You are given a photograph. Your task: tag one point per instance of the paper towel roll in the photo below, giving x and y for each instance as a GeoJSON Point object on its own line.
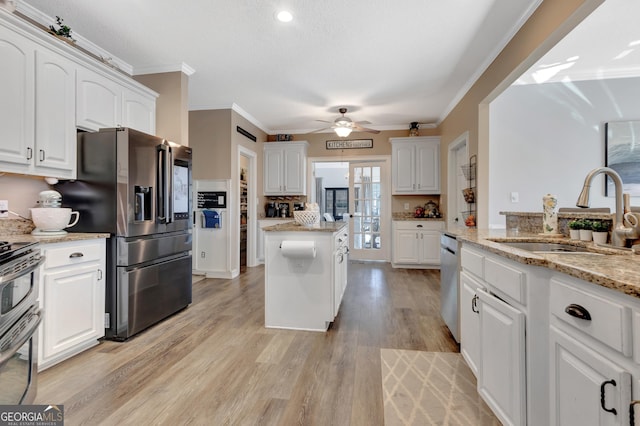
{"type": "Point", "coordinates": [298, 249]}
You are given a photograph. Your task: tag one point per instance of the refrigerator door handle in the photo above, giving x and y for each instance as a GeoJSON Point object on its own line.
{"type": "Point", "coordinates": [163, 184]}
{"type": "Point", "coordinates": [169, 181]}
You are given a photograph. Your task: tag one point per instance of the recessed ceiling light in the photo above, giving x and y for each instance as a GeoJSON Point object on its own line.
{"type": "Point", "coordinates": [284, 16]}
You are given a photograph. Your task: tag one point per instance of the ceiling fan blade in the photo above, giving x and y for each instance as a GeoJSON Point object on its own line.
{"type": "Point", "coordinates": [320, 130]}
{"type": "Point", "coordinates": [363, 122]}
{"type": "Point", "coordinates": [325, 121]}
{"type": "Point", "coordinates": [364, 129]}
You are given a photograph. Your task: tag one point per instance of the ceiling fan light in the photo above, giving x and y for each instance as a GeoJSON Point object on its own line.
{"type": "Point", "coordinates": [343, 132]}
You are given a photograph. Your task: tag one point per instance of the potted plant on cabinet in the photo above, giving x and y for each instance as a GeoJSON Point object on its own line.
{"type": "Point", "coordinates": [574, 229]}
{"type": "Point", "coordinates": [586, 234]}
{"type": "Point", "coordinates": [600, 231]}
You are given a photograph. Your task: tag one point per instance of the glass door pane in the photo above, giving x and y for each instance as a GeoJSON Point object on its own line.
{"type": "Point", "coordinates": [366, 187]}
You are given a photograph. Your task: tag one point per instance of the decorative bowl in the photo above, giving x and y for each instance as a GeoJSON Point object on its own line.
{"type": "Point", "coordinates": [306, 217]}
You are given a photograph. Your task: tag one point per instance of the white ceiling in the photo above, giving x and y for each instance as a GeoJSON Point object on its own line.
{"type": "Point", "coordinates": [389, 62]}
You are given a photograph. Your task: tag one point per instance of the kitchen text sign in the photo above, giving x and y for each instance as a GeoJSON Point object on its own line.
{"type": "Point", "coordinates": [350, 144]}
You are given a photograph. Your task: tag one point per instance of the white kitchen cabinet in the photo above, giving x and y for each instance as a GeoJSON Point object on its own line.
{"type": "Point", "coordinates": [263, 223]}
{"type": "Point", "coordinates": [99, 101]}
{"type": "Point", "coordinates": [580, 377]}
{"type": "Point", "coordinates": [415, 165]}
{"type": "Point", "coordinates": [469, 321]}
{"type": "Point", "coordinates": [416, 243]}
{"type": "Point", "coordinates": [284, 168]}
{"type": "Point", "coordinates": [501, 372]}
{"type": "Point", "coordinates": [37, 116]}
{"type": "Point", "coordinates": [72, 296]}
{"type": "Point", "coordinates": [138, 111]}
{"type": "Point", "coordinates": [504, 308]}
{"type": "Point", "coordinates": [592, 369]}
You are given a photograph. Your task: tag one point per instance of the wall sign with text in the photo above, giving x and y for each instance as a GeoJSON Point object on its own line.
{"type": "Point", "coordinates": [350, 144]}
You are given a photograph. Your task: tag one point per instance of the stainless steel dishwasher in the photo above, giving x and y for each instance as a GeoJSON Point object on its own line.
{"type": "Point", "coordinates": [449, 267]}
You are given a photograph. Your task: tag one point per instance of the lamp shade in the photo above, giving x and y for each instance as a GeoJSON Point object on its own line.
{"type": "Point", "coordinates": [343, 131]}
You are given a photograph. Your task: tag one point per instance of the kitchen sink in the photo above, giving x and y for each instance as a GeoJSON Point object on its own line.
{"type": "Point", "coordinates": [540, 247]}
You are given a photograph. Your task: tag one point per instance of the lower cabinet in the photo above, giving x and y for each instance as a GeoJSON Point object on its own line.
{"type": "Point", "coordinates": [416, 244]}
{"type": "Point", "coordinates": [72, 296]}
{"type": "Point", "coordinates": [587, 388]}
{"type": "Point", "coordinates": [469, 321]}
{"type": "Point", "coordinates": [502, 371]}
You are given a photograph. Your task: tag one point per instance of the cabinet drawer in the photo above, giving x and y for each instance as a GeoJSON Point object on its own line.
{"type": "Point", "coordinates": [72, 254]}
{"type": "Point", "coordinates": [506, 279]}
{"type": "Point", "coordinates": [472, 262]}
{"type": "Point", "coordinates": [419, 225]}
{"type": "Point", "coordinates": [610, 321]}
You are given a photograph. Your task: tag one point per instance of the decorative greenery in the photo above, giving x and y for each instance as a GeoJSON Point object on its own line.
{"type": "Point", "coordinates": [63, 31]}
{"type": "Point", "coordinates": [575, 224]}
{"type": "Point", "coordinates": [599, 226]}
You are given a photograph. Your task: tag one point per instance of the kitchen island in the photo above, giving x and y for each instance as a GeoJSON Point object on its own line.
{"type": "Point", "coordinates": [305, 274]}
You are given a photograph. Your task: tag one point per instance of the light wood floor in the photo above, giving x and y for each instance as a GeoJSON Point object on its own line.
{"type": "Point", "coordinates": [215, 364]}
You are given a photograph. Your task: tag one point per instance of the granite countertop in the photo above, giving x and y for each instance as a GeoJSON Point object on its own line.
{"type": "Point", "coordinates": [296, 227]}
{"type": "Point", "coordinates": [71, 236]}
{"type": "Point", "coordinates": [618, 269]}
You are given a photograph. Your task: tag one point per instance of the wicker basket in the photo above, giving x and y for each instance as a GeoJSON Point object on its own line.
{"type": "Point", "coordinates": [469, 171]}
{"type": "Point", "coordinates": [306, 217]}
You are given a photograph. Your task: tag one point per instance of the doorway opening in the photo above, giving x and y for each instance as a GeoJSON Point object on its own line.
{"type": "Point", "coordinates": [247, 183]}
{"type": "Point", "coordinates": [356, 190]}
{"type": "Point", "coordinates": [457, 182]}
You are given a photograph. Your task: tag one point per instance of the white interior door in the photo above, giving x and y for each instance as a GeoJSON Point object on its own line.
{"type": "Point", "coordinates": [369, 219]}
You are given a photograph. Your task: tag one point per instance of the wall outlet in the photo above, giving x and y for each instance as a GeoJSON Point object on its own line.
{"type": "Point", "coordinates": [406, 206]}
{"type": "Point", "coordinates": [515, 197]}
{"type": "Point", "coordinates": [4, 208]}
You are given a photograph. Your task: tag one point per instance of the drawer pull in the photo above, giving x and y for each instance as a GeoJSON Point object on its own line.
{"type": "Point", "coordinates": [578, 312]}
{"type": "Point", "coordinates": [419, 226]}
{"type": "Point", "coordinates": [602, 386]}
{"type": "Point", "coordinates": [75, 254]}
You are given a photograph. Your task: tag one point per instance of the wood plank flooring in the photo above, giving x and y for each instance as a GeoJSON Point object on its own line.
{"type": "Point", "coordinates": [215, 364]}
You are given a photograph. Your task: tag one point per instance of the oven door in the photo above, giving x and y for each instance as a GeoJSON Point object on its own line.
{"type": "Point", "coordinates": [18, 360]}
{"type": "Point", "coordinates": [18, 292]}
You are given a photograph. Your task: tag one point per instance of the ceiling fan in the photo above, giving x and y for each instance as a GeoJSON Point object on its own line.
{"type": "Point", "coordinates": [343, 126]}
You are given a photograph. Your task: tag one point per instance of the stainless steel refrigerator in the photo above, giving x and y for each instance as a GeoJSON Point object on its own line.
{"type": "Point", "coordinates": [137, 187]}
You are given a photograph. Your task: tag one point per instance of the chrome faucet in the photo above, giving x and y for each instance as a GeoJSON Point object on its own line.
{"type": "Point", "coordinates": [620, 233]}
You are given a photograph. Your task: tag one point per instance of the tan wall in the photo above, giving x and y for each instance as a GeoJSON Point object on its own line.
{"type": "Point", "coordinates": [549, 24]}
{"type": "Point", "coordinates": [210, 138]}
{"type": "Point", "coordinates": [21, 192]}
{"type": "Point", "coordinates": [381, 145]}
{"type": "Point", "coordinates": [172, 109]}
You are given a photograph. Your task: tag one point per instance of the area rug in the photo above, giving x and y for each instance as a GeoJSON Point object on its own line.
{"type": "Point", "coordinates": [430, 388]}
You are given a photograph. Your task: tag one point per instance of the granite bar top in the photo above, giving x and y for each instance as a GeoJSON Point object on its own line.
{"type": "Point", "coordinates": [410, 216]}
{"type": "Point", "coordinates": [618, 269]}
{"type": "Point", "coordinates": [567, 215]}
{"type": "Point", "coordinates": [296, 227]}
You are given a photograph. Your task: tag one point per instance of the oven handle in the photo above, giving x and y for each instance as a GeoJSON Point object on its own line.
{"type": "Point", "coordinates": [21, 340]}
{"type": "Point", "coordinates": [13, 276]}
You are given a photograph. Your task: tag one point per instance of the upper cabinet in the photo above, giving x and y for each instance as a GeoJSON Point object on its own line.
{"type": "Point", "coordinates": [285, 168]}
{"type": "Point", "coordinates": [49, 89]}
{"type": "Point", "coordinates": [103, 102]}
{"type": "Point", "coordinates": [37, 115]}
{"type": "Point", "coordinates": [415, 165]}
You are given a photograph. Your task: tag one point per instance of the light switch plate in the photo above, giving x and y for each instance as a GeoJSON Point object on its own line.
{"type": "Point", "coordinates": [515, 197]}
{"type": "Point", "coordinates": [4, 208]}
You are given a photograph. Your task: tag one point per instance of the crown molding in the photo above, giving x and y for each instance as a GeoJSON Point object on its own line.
{"type": "Point", "coordinates": [181, 67]}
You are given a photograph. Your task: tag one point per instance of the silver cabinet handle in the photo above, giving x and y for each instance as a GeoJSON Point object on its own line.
{"type": "Point", "coordinates": [99, 274]}
{"type": "Point", "coordinates": [29, 153]}
{"type": "Point", "coordinates": [76, 255]}
{"type": "Point", "coordinates": [42, 155]}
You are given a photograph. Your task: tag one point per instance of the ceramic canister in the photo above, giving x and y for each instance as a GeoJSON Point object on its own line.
{"type": "Point", "coordinates": [550, 214]}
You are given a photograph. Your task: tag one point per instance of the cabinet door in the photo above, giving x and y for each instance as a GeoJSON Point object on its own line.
{"type": "Point", "coordinates": [406, 246]}
{"type": "Point", "coordinates": [55, 115]}
{"type": "Point", "coordinates": [273, 171]}
{"type": "Point", "coordinates": [501, 373]}
{"type": "Point", "coordinates": [294, 170]}
{"type": "Point", "coordinates": [17, 112]}
{"type": "Point", "coordinates": [579, 378]}
{"type": "Point", "coordinates": [98, 98]}
{"type": "Point", "coordinates": [469, 321]}
{"type": "Point", "coordinates": [430, 247]}
{"type": "Point", "coordinates": [403, 180]}
{"type": "Point", "coordinates": [138, 112]}
{"type": "Point", "coordinates": [74, 308]}
{"type": "Point", "coordinates": [427, 167]}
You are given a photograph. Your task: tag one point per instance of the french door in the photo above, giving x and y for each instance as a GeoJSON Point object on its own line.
{"type": "Point", "coordinates": [368, 222]}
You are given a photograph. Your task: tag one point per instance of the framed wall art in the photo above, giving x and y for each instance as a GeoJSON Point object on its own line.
{"type": "Point", "coordinates": [622, 154]}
